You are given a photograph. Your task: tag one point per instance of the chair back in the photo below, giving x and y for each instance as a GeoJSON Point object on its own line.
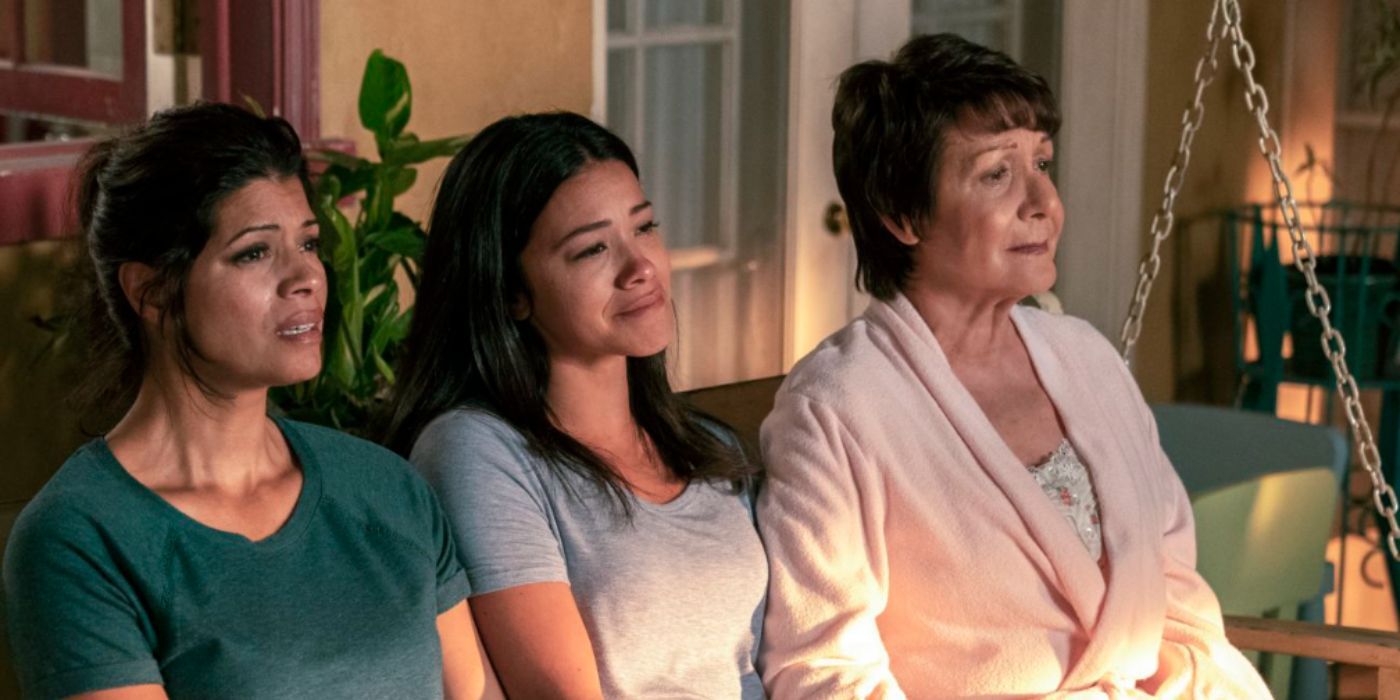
{"type": "Point", "coordinates": [1264, 492]}
{"type": "Point", "coordinates": [742, 405]}
{"type": "Point", "coordinates": [1213, 447]}
{"type": "Point", "coordinates": [1261, 543]}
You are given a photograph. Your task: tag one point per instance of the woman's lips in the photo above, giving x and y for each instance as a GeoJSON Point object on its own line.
{"type": "Point", "coordinates": [652, 300]}
{"type": "Point", "coordinates": [1030, 248]}
{"type": "Point", "coordinates": [303, 327]}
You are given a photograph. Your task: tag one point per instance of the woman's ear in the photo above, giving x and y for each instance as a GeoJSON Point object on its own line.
{"type": "Point", "coordinates": [902, 229]}
{"type": "Point", "coordinates": [520, 308]}
{"type": "Point", "coordinates": [135, 279]}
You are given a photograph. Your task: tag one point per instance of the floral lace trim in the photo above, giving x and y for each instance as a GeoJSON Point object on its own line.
{"type": "Point", "coordinates": [1065, 480]}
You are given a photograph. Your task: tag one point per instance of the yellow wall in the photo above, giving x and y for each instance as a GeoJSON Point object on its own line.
{"type": "Point", "coordinates": [1186, 350]}
{"type": "Point", "coordinates": [470, 63]}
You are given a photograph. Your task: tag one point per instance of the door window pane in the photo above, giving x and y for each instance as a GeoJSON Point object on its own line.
{"type": "Point", "coordinates": [684, 13]}
{"type": "Point", "coordinates": [622, 98]}
{"type": "Point", "coordinates": [681, 140]}
{"type": "Point", "coordinates": [82, 34]}
{"type": "Point", "coordinates": [619, 16]}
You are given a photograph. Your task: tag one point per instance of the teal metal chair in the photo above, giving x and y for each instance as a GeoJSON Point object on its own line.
{"type": "Point", "coordinates": [1260, 545]}
{"type": "Point", "coordinates": [1264, 492]}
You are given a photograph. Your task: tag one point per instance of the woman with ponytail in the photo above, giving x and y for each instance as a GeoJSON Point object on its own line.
{"type": "Point", "coordinates": [606, 529]}
{"type": "Point", "coordinates": [200, 547]}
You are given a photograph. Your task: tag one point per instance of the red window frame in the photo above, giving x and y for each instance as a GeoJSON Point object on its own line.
{"type": "Point", "coordinates": [76, 92]}
{"type": "Point", "coordinates": [266, 49]}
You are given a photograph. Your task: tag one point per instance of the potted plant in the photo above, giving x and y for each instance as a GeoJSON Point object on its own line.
{"type": "Point", "coordinates": [370, 251]}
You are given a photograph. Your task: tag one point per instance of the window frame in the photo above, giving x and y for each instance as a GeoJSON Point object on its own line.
{"type": "Point", "coordinates": [76, 92]}
{"type": "Point", "coordinates": [269, 50]}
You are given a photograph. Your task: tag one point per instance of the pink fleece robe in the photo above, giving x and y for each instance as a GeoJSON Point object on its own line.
{"type": "Point", "coordinates": [912, 554]}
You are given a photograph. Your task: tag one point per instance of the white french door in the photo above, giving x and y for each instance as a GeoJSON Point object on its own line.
{"type": "Point", "coordinates": [728, 105]}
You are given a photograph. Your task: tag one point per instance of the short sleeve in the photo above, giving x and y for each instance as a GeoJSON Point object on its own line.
{"type": "Point", "coordinates": [74, 623]}
{"type": "Point", "coordinates": [452, 586]}
{"type": "Point", "coordinates": [490, 487]}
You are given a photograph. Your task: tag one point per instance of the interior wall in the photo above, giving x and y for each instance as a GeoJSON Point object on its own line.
{"type": "Point", "coordinates": [1186, 351]}
{"type": "Point", "coordinates": [470, 63]}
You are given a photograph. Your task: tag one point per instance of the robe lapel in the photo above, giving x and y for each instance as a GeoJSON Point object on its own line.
{"type": "Point", "coordinates": [1075, 574]}
{"type": "Point", "coordinates": [1102, 438]}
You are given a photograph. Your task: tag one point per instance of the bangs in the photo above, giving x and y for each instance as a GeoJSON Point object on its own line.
{"type": "Point", "coordinates": [1012, 108]}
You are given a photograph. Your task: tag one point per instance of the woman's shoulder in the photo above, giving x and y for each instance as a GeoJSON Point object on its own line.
{"type": "Point", "coordinates": [470, 440]}
{"type": "Point", "coordinates": [1069, 335]}
{"type": "Point", "coordinates": [469, 428]}
{"type": "Point", "coordinates": [83, 511]}
{"type": "Point", "coordinates": [355, 468]}
{"type": "Point", "coordinates": [86, 486]}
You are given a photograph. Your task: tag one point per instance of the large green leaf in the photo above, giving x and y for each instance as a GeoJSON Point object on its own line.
{"type": "Point", "coordinates": [350, 181]}
{"type": "Point", "coordinates": [404, 151]}
{"type": "Point", "coordinates": [386, 98]}
{"type": "Point", "coordinates": [407, 241]}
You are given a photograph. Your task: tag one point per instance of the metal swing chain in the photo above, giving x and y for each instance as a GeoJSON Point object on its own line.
{"type": "Point", "coordinates": [1318, 302]}
{"type": "Point", "coordinates": [1164, 218]}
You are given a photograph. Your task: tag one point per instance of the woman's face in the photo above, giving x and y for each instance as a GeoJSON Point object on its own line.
{"type": "Point", "coordinates": [257, 292]}
{"type": "Point", "coordinates": [597, 273]}
{"type": "Point", "coordinates": [997, 217]}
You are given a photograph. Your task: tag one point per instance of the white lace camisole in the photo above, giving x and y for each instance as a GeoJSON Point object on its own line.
{"type": "Point", "coordinates": [1065, 480]}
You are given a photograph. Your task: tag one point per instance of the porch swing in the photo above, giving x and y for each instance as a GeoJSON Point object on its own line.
{"type": "Point", "coordinates": [1366, 648]}
{"type": "Point", "coordinates": [745, 404]}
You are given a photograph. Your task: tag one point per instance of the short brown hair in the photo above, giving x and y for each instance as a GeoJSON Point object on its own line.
{"type": "Point", "coordinates": [891, 119]}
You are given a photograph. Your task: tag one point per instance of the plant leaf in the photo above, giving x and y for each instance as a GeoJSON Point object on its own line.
{"type": "Point", "coordinates": [401, 152]}
{"type": "Point", "coordinates": [407, 241]}
{"type": "Point", "coordinates": [386, 98]}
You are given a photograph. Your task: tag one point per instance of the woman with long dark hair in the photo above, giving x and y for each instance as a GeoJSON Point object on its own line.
{"type": "Point", "coordinates": [606, 530]}
{"type": "Point", "coordinates": [201, 548]}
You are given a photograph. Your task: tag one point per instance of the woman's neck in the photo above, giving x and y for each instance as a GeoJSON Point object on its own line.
{"type": "Point", "coordinates": [175, 437]}
{"type": "Point", "coordinates": [967, 327]}
{"type": "Point", "coordinates": [591, 400]}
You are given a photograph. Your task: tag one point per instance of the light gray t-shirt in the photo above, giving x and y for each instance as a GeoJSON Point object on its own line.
{"type": "Point", "coordinates": [673, 601]}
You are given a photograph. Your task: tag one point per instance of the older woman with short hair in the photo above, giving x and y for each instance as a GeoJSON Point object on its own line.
{"type": "Point", "coordinates": [967, 497]}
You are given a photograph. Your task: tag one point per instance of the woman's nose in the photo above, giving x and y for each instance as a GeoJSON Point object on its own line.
{"type": "Point", "coordinates": [636, 268]}
{"type": "Point", "coordinates": [1041, 196]}
{"type": "Point", "coordinates": [303, 274]}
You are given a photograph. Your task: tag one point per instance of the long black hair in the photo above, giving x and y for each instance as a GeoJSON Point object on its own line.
{"type": "Point", "coordinates": [465, 346]}
{"type": "Point", "coordinates": [150, 196]}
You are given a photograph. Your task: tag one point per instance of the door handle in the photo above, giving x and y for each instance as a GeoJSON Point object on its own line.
{"type": "Point", "coordinates": [834, 219]}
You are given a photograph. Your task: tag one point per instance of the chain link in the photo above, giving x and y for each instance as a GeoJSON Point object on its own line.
{"type": "Point", "coordinates": [1164, 218]}
{"type": "Point", "coordinates": [1225, 16]}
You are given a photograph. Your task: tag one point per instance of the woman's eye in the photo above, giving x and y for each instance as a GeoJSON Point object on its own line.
{"type": "Point", "coordinates": [1044, 165]}
{"type": "Point", "coordinates": [996, 175]}
{"type": "Point", "coordinates": [253, 254]}
{"type": "Point", "coordinates": [312, 245]}
{"type": "Point", "coordinates": [590, 251]}
{"type": "Point", "coordinates": [648, 227]}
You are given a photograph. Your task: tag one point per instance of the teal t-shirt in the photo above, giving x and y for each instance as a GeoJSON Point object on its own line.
{"type": "Point", "coordinates": [108, 585]}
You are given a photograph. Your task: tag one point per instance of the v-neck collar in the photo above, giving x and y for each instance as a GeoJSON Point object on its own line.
{"type": "Point", "coordinates": [302, 512]}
